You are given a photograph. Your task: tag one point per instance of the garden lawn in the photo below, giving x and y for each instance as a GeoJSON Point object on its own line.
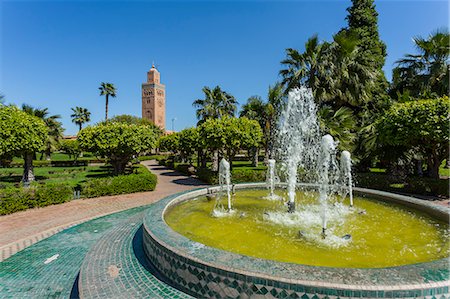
{"type": "Point", "coordinates": [70, 175]}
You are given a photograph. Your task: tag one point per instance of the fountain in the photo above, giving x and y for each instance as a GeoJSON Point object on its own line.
{"type": "Point", "coordinates": [346, 170]}
{"type": "Point", "coordinates": [225, 190]}
{"type": "Point", "coordinates": [271, 180]}
{"type": "Point", "coordinates": [322, 246]}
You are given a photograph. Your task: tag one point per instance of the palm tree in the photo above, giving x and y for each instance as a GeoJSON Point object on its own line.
{"type": "Point", "coordinates": [216, 104]}
{"type": "Point", "coordinates": [256, 109]}
{"type": "Point", "coordinates": [55, 131]}
{"type": "Point", "coordinates": [107, 90]}
{"type": "Point", "coordinates": [426, 73]}
{"type": "Point", "coordinates": [302, 68]}
{"type": "Point", "coordinates": [80, 116]}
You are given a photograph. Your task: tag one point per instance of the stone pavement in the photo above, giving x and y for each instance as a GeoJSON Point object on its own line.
{"type": "Point", "coordinates": [22, 229]}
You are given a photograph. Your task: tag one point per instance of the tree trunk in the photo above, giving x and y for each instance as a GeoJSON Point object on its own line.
{"type": "Point", "coordinates": [28, 175]}
{"type": "Point", "coordinates": [419, 167]}
{"type": "Point", "coordinates": [119, 166]}
{"type": "Point", "coordinates": [433, 166]}
{"type": "Point", "coordinates": [106, 108]}
{"type": "Point", "coordinates": [255, 157]}
{"type": "Point", "coordinates": [215, 160]}
{"type": "Point", "coordinates": [203, 159]}
{"type": "Point", "coordinates": [80, 124]}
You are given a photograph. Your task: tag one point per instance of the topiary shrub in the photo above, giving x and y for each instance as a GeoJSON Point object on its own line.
{"type": "Point", "coordinates": [248, 175]}
{"type": "Point", "coordinates": [141, 181]}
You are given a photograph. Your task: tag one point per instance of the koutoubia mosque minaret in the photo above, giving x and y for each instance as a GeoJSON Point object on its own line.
{"type": "Point", "coordinates": [154, 99]}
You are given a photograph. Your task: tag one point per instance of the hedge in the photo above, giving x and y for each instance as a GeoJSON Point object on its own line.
{"type": "Point", "coordinates": [13, 199]}
{"type": "Point", "coordinates": [237, 175]}
{"type": "Point", "coordinates": [142, 181]}
{"type": "Point", "coordinates": [412, 185]}
{"type": "Point", "coordinates": [17, 199]}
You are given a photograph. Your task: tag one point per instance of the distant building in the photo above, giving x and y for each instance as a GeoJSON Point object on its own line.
{"type": "Point", "coordinates": [154, 99]}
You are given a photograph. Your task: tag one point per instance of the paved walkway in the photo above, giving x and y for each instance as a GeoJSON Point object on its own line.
{"type": "Point", "coordinates": [22, 229]}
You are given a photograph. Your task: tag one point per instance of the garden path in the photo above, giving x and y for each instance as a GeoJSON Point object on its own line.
{"type": "Point", "coordinates": [22, 229]}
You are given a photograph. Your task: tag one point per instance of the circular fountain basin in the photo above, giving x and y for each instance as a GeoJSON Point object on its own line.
{"type": "Point", "coordinates": [206, 271]}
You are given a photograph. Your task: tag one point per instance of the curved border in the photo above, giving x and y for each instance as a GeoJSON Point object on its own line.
{"type": "Point", "coordinates": [207, 272]}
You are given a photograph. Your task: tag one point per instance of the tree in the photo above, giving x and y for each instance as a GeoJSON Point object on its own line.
{"type": "Point", "coordinates": [216, 104]}
{"type": "Point", "coordinates": [118, 142]}
{"type": "Point", "coordinates": [170, 143]}
{"type": "Point", "coordinates": [80, 116]}
{"type": "Point", "coordinates": [422, 124]}
{"type": "Point", "coordinates": [134, 120]}
{"type": "Point", "coordinates": [302, 68]}
{"type": "Point", "coordinates": [257, 110]}
{"type": "Point", "coordinates": [107, 90]}
{"type": "Point", "coordinates": [340, 124]}
{"type": "Point", "coordinates": [21, 134]}
{"type": "Point", "coordinates": [189, 143]}
{"type": "Point", "coordinates": [425, 73]}
{"type": "Point", "coordinates": [55, 129]}
{"type": "Point", "coordinates": [229, 135]}
{"type": "Point", "coordinates": [71, 148]}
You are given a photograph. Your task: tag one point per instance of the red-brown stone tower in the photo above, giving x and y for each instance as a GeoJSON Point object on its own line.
{"type": "Point", "coordinates": [154, 99]}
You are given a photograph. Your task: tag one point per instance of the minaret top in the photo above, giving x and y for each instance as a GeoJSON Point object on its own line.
{"type": "Point", "coordinates": [153, 75]}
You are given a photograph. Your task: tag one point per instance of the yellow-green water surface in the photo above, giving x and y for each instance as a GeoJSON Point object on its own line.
{"type": "Point", "coordinates": [382, 235]}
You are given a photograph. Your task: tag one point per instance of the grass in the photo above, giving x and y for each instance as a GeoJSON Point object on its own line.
{"type": "Point", "coordinates": [69, 175]}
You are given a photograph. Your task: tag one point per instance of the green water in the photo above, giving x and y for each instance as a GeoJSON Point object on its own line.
{"type": "Point", "coordinates": [382, 235]}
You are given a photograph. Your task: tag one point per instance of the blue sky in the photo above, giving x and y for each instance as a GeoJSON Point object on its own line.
{"type": "Point", "coordinates": [55, 53]}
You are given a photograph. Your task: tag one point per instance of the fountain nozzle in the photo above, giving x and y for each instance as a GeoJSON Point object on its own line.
{"type": "Point", "coordinates": [324, 234]}
{"type": "Point", "coordinates": [291, 206]}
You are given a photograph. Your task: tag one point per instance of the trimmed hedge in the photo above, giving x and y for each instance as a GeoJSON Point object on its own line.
{"type": "Point", "coordinates": [142, 181]}
{"type": "Point", "coordinates": [17, 199]}
{"type": "Point", "coordinates": [237, 175]}
{"type": "Point", "coordinates": [13, 199]}
{"type": "Point", "coordinates": [413, 185]}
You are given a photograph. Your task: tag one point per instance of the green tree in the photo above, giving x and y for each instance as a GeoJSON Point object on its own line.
{"type": "Point", "coordinates": [425, 73]}
{"type": "Point", "coordinates": [189, 143]}
{"type": "Point", "coordinates": [422, 124]}
{"type": "Point", "coordinates": [134, 120]}
{"type": "Point", "coordinates": [216, 104]}
{"type": "Point", "coordinates": [107, 90]}
{"type": "Point", "coordinates": [55, 129]}
{"type": "Point", "coordinates": [302, 68]}
{"type": "Point", "coordinates": [340, 124]}
{"type": "Point", "coordinates": [80, 116]}
{"type": "Point", "coordinates": [257, 110]}
{"type": "Point", "coordinates": [21, 134]}
{"type": "Point", "coordinates": [118, 142]}
{"type": "Point", "coordinates": [229, 135]}
{"type": "Point", "coordinates": [71, 148]}
{"type": "Point", "coordinates": [170, 143]}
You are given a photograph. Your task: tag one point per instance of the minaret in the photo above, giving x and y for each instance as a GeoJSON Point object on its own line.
{"type": "Point", "coordinates": [154, 99]}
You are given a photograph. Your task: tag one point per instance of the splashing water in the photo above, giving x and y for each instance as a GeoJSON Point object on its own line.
{"type": "Point", "coordinates": [346, 170]}
{"type": "Point", "coordinates": [225, 189]}
{"type": "Point", "coordinates": [271, 180]}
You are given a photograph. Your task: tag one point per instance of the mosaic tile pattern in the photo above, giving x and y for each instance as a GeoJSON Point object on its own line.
{"type": "Point", "coordinates": [208, 272]}
{"type": "Point", "coordinates": [116, 267]}
{"type": "Point", "coordinates": [26, 275]}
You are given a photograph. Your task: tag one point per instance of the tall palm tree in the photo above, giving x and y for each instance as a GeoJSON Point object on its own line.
{"type": "Point", "coordinates": [107, 90]}
{"type": "Point", "coordinates": [216, 104]}
{"type": "Point", "coordinates": [256, 109]}
{"type": "Point", "coordinates": [55, 132]}
{"type": "Point", "coordinates": [427, 72]}
{"type": "Point", "coordinates": [302, 68]}
{"type": "Point", "coordinates": [80, 116]}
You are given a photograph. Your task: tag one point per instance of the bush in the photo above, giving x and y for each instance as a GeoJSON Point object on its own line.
{"type": "Point", "coordinates": [413, 185]}
{"type": "Point", "coordinates": [17, 199]}
{"type": "Point", "coordinates": [248, 175]}
{"type": "Point", "coordinates": [141, 181]}
{"type": "Point", "coordinates": [152, 157]}
{"type": "Point", "coordinates": [208, 176]}
{"type": "Point", "coordinates": [185, 168]}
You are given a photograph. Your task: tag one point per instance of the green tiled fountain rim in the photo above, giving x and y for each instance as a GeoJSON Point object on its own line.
{"type": "Point", "coordinates": [432, 275]}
